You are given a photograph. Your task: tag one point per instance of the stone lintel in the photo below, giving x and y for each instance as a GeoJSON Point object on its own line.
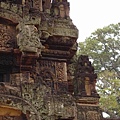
{"type": "Point", "coordinates": [88, 100]}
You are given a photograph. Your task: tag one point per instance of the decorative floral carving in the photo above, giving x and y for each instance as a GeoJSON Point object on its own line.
{"type": "Point", "coordinates": [53, 74]}
{"type": "Point", "coordinates": [61, 71]}
{"type": "Point", "coordinates": [6, 37]}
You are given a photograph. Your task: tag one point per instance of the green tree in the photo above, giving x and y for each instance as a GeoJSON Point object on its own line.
{"type": "Point", "coordinates": [108, 86]}
{"type": "Point", "coordinates": [103, 48]}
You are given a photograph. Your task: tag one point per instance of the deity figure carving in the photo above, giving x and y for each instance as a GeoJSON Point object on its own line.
{"type": "Point", "coordinates": [60, 8]}
{"type": "Point", "coordinates": [28, 40]}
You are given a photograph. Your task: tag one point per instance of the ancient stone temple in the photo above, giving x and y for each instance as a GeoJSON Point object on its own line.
{"type": "Point", "coordinates": [37, 42]}
{"type": "Point", "coordinates": [85, 91]}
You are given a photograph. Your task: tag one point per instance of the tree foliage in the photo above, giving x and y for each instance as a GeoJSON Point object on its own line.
{"type": "Point", "coordinates": [108, 86]}
{"type": "Point", "coordinates": [103, 48]}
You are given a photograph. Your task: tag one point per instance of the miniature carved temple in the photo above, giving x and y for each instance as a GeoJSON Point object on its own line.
{"type": "Point", "coordinates": [37, 43]}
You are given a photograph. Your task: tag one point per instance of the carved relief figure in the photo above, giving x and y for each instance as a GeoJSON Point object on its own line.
{"type": "Point", "coordinates": [61, 8]}
{"type": "Point", "coordinates": [28, 40]}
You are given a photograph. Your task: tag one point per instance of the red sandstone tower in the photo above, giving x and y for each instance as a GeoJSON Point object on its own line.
{"type": "Point", "coordinates": [37, 43]}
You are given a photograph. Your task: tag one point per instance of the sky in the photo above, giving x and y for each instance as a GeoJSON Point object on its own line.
{"type": "Point", "coordinates": [89, 15]}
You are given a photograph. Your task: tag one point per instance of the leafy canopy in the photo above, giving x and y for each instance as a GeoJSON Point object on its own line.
{"type": "Point", "coordinates": [103, 48]}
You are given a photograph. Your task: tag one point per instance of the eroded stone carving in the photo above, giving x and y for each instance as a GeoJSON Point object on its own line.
{"type": "Point", "coordinates": [28, 40]}
{"type": "Point", "coordinates": [85, 77]}
{"type": "Point", "coordinates": [38, 85]}
{"type": "Point", "coordinates": [6, 37]}
{"type": "Point", "coordinates": [89, 112]}
{"type": "Point", "coordinates": [53, 74]}
{"type": "Point", "coordinates": [60, 8]}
